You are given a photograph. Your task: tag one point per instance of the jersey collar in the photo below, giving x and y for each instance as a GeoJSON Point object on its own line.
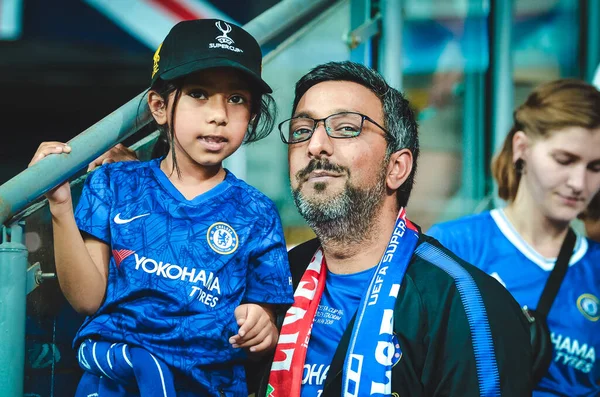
{"type": "Point", "coordinates": [547, 264]}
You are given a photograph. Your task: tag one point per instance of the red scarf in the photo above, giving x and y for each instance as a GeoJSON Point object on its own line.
{"type": "Point", "coordinates": [285, 379]}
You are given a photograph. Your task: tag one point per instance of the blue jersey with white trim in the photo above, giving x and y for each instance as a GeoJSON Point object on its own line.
{"type": "Point", "coordinates": [489, 241]}
{"type": "Point", "coordinates": [180, 267]}
{"type": "Point", "coordinates": [340, 300]}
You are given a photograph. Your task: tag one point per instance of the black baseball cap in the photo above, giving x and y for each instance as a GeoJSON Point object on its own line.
{"type": "Point", "coordinates": [201, 44]}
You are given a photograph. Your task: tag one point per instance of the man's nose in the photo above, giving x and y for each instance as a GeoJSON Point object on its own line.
{"type": "Point", "coordinates": [320, 144]}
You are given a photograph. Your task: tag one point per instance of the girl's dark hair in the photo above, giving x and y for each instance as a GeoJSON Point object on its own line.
{"type": "Point", "coordinates": [550, 107]}
{"type": "Point", "coordinates": [262, 108]}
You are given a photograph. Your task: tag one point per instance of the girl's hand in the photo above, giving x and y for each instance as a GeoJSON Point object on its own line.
{"type": "Point", "coordinates": [60, 195]}
{"type": "Point", "coordinates": [115, 154]}
{"type": "Point", "coordinates": [258, 332]}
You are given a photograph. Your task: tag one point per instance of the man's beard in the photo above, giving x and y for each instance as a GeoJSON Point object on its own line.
{"type": "Point", "coordinates": [347, 217]}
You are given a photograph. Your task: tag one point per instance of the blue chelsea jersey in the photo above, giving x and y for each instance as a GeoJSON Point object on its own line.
{"type": "Point", "coordinates": [180, 267]}
{"type": "Point", "coordinates": [489, 241]}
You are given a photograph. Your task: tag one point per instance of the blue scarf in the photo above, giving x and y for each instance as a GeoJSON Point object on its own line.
{"type": "Point", "coordinates": [373, 348]}
{"type": "Point", "coordinates": [120, 370]}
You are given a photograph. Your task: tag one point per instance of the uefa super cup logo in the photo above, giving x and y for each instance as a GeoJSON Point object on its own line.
{"type": "Point", "coordinates": [224, 39]}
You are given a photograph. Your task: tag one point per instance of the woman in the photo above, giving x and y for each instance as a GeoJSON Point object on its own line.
{"type": "Point", "coordinates": [549, 173]}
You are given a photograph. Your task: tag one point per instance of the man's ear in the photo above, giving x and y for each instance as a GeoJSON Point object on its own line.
{"type": "Point", "coordinates": [158, 107]}
{"type": "Point", "coordinates": [399, 168]}
{"type": "Point", "coordinates": [520, 146]}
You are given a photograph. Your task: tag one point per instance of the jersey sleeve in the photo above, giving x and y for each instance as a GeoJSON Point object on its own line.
{"type": "Point", "coordinates": [449, 238]}
{"type": "Point", "coordinates": [93, 210]}
{"type": "Point", "coordinates": [269, 279]}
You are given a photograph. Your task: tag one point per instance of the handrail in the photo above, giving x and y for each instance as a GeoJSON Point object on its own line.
{"type": "Point", "coordinates": [281, 16]}
{"type": "Point", "coordinates": [23, 189]}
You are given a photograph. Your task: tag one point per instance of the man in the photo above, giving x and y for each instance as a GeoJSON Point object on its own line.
{"type": "Point", "coordinates": [426, 323]}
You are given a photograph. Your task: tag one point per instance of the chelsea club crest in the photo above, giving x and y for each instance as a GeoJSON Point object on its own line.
{"type": "Point", "coordinates": [588, 305]}
{"type": "Point", "coordinates": [222, 238]}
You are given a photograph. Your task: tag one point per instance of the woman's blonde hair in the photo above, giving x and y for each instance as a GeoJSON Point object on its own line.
{"type": "Point", "coordinates": [550, 107]}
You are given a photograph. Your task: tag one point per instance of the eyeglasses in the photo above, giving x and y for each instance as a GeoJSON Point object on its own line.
{"type": "Point", "coordinates": [339, 125]}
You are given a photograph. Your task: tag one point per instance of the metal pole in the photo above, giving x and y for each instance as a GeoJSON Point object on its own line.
{"type": "Point", "coordinates": [360, 12]}
{"type": "Point", "coordinates": [501, 87]}
{"type": "Point", "coordinates": [21, 190]}
{"type": "Point", "coordinates": [390, 43]}
{"type": "Point", "coordinates": [27, 186]}
{"type": "Point", "coordinates": [13, 291]}
{"type": "Point", "coordinates": [281, 16]}
{"type": "Point", "coordinates": [592, 59]}
{"type": "Point", "coordinates": [474, 166]}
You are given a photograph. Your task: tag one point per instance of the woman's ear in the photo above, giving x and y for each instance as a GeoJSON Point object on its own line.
{"type": "Point", "coordinates": [399, 168]}
{"type": "Point", "coordinates": [520, 146]}
{"type": "Point", "coordinates": [158, 108]}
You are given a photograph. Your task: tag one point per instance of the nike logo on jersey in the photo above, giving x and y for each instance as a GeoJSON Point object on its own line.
{"type": "Point", "coordinates": [119, 221]}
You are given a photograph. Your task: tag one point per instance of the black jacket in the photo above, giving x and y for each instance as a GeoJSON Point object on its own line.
{"type": "Point", "coordinates": [432, 325]}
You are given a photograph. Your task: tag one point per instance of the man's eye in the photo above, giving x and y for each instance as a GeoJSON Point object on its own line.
{"type": "Point", "coordinates": [348, 130]}
{"type": "Point", "coordinates": [300, 133]}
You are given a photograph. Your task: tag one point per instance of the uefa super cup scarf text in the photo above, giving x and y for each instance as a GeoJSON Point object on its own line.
{"type": "Point", "coordinates": [368, 363]}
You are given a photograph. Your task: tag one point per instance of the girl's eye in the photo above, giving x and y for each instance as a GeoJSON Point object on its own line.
{"type": "Point", "coordinates": [237, 99]}
{"type": "Point", "coordinates": [198, 94]}
{"type": "Point", "coordinates": [594, 167]}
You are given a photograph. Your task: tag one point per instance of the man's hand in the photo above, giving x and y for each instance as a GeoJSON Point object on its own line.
{"type": "Point", "coordinates": [258, 332]}
{"type": "Point", "coordinates": [114, 155]}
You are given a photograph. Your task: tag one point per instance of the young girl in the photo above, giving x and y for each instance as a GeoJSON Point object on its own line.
{"type": "Point", "coordinates": [549, 172]}
{"type": "Point", "coordinates": [175, 261]}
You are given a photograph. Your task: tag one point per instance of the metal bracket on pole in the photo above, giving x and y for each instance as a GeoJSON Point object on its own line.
{"type": "Point", "coordinates": [35, 277]}
{"type": "Point", "coordinates": [32, 277]}
{"type": "Point", "coordinates": [364, 32]}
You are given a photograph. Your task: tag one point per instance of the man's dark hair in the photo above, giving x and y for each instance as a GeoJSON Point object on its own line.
{"type": "Point", "coordinates": [399, 118]}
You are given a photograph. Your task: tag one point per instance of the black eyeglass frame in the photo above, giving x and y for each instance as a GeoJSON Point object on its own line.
{"type": "Point", "coordinates": [324, 120]}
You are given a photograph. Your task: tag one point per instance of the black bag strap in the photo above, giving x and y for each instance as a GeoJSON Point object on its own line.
{"type": "Point", "coordinates": [337, 363]}
{"type": "Point", "coordinates": [556, 276]}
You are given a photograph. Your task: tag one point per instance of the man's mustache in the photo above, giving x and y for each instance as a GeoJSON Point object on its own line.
{"type": "Point", "coordinates": [321, 164]}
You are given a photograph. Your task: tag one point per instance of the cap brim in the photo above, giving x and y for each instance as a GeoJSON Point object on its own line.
{"type": "Point", "coordinates": [203, 64]}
